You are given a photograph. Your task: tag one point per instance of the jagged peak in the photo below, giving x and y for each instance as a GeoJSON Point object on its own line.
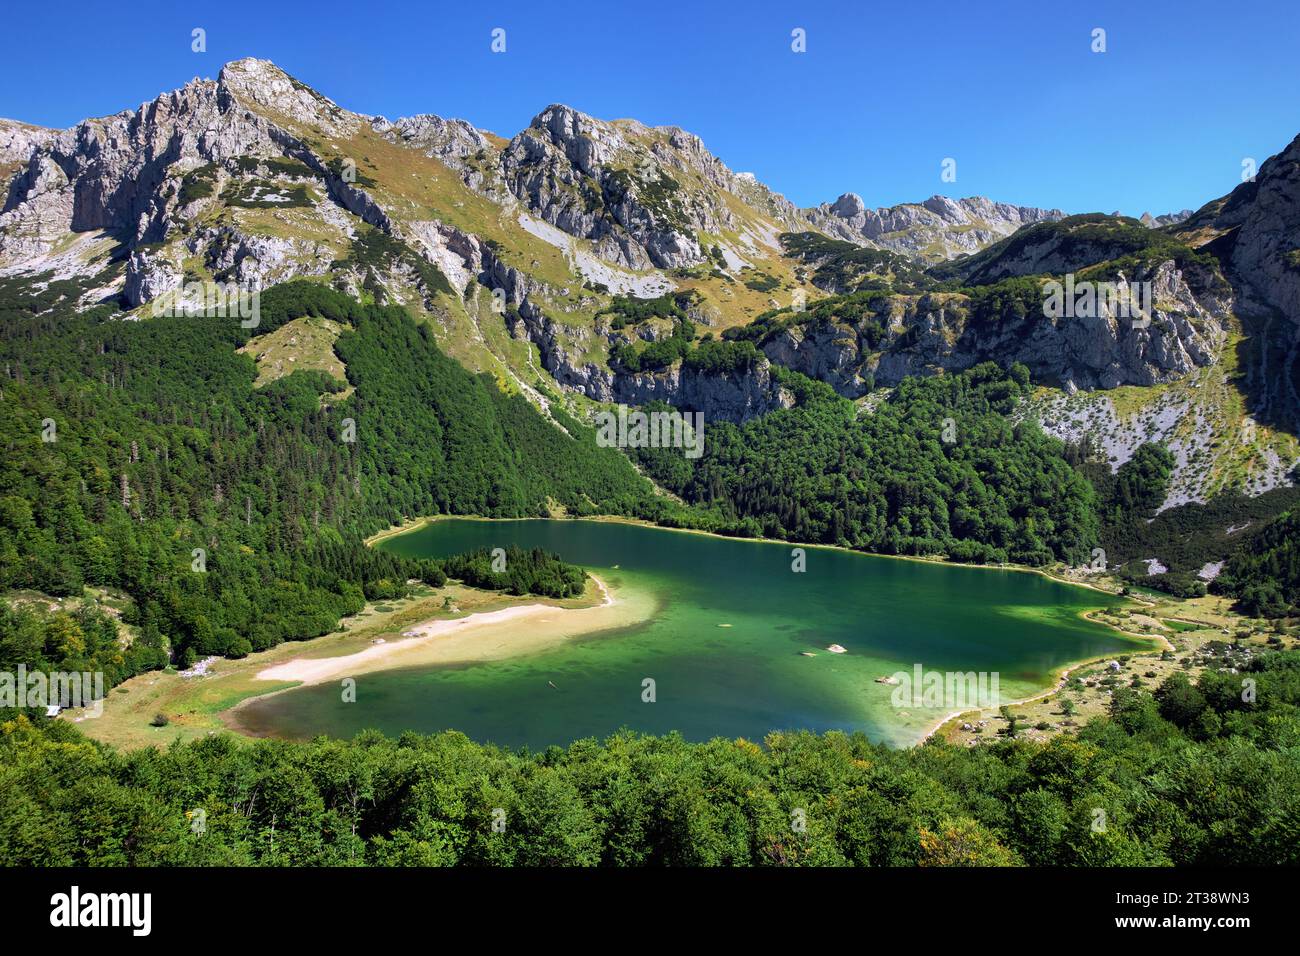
{"type": "Point", "coordinates": [939, 227]}
{"type": "Point", "coordinates": [260, 83]}
{"type": "Point", "coordinates": [848, 205]}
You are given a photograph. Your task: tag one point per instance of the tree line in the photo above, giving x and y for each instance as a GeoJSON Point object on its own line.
{"type": "Point", "coordinates": [1190, 775]}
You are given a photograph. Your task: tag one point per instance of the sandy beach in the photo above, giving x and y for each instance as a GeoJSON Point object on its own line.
{"type": "Point", "coordinates": [486, 636]}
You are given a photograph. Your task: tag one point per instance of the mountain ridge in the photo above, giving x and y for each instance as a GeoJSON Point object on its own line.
{"type": "Point", "coordinates": [523, 254]}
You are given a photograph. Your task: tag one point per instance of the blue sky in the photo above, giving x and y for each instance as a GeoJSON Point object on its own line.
{"type": "Point", "coordinates": [885, 92]}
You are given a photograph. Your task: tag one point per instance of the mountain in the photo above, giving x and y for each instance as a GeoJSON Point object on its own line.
{"type": "Point", "coordinates": [257, 179]}
{"type": "Point", "coordinates": [933, 231]}
{"type": "Point", "coordinates": [597, 256]}
{"type": "Point", "coordinates": [1168, 219]}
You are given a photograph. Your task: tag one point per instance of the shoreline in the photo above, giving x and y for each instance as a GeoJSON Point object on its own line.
{"type": "Point", "coordinates": [304, 672]}
{"type": "Point", "coordinates": [474, 638]}
{"type": "Point", "coordinates": [308, 671]}
{"type": "Point", "coordinates": [1061, 676]}
{"type": "Point", "coordinates": [415, 524]}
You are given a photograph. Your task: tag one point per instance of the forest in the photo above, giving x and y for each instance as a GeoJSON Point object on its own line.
{"type": "Point", "coordinates": [935, 469]}
{"type": "Point", "coordinates": [140, 457]}
{"type": "Point", "coordinates": [1265, 574]}
{"type": "Point", "coordinates": [1189, 775]}
{"type": "Point", "coordinates": [521, 571]}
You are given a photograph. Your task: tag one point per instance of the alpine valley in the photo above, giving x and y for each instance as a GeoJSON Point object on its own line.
{"type": "Point", "coordinates": [213, 507]}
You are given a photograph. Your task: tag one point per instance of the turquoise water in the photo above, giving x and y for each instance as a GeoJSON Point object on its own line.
{"type": "Point", "coordinates": [743, 680]}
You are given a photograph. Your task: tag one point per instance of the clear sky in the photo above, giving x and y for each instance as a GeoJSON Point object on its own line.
{"type": "Point", "coordinates": [883, 94]}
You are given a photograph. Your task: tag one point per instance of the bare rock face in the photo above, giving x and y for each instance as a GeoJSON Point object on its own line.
{"type": "Point", "coordinates": [458, 255]}
{"type": "Point", "coordinates": [19, 140]}
{"type": "Point", "coordinates": [1260, 222]}
{"type": "Point", "coordinates": [830, 352]}
{"type": "Point", "coordinates": [646, 198]}
{"type": "Point", "coordinates": [1168, 219]}
{"type": "Point", "coordinates": [262, 85]}
{"type": "Point", "coordinates": [124, 175]}
{"type": "Point", "coordinates": [455, 143]}
{"type": "Point", "coordinates": [561, 167]}
{"type": "Point", "coordinates": [934, 230]}
{"type": "Point", "coordinates": [149, 275]}
{"type": "Point", "coordinates": [1255, 232]}
{"type": "Point", "coordinates": [731, 397]}
{"type": "Point", "coordinates": [922, 335]}
{"type": "Point", "coordinates": [108, 174]}
{"type": "Point", "coordinates": [30, 226]}
{"type": "Point", "coordinates": [641, 195]}
{"type": "Point", "coordinates": [560, 348]}
{"type": "Point", "coordinates": [728, 397]}
{"type": "Point", "coordinates": [447, 139]}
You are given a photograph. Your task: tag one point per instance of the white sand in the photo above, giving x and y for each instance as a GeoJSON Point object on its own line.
{"type": "Point", "coordinates": [489, 635]}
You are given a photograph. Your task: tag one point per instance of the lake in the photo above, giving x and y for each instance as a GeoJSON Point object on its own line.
{"type": "Point", "coordinates": [729, 624]}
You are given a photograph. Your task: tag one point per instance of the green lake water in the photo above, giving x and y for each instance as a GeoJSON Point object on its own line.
{"type": "Point", "coordinates": [743, 680]}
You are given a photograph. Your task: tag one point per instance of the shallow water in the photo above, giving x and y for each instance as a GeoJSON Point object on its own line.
{"type": "Point", "coordinates": [708, 680]}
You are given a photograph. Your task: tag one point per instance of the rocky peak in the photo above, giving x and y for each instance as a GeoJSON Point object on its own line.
{"type": "Point", "coordinates": [455, 143]}
{"type": "Point", "coordinates": [260, 83]}
{"type": "Point", "coordinates": [1168, 219]}
{"type": "Point", "coordinates": [587, 143]}
{"type": "Point", "coordinates": [440, 137]}
{"type": "Point", "coordinates": [849, 206]}
{"type": "Point", "coordinates": [643, 195]}
{"type": "Point", "coordinates": [934, 230]}
{"type": "Point", "coordinates": [1258, 225]}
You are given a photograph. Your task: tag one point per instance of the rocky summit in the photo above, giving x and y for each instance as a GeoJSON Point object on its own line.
{"type": "Point", "coordinates": [934, 230]}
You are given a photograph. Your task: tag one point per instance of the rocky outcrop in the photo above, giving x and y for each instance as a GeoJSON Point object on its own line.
{"type": "Point", "coordinates": [730, 397]}
{"type": "Point", "coordinates": [18, 141]}
{"type": "Point", "coordinates": [256, 261]}
{"type": "Point", "coordinates": [455, 143]}
{"type": "Point", "coordinates": [261, 87]}
{"type": "Point", "coordinates": [561, 349]}
{"type": "Point", "coordinates": [934, 230]}
{"type": "Point", "coordinates": [1168, 219]}
{"type": "Point", "coordinates": [923, 335]}
{"type": "Point", "coordinates": [1255, 233]}
{"type": "Point", "coordinates": [830, 352]}
{"type": "Point", "coordinates": [38, 212]}
{"type": "Point", "coordinates": [1259, 227]}
{"type": "Point", "coordinates": [108, 174]}
{"type": "Point", "coordinates": [641, 195]}
{"type": "Point", "coordinates": [125, 175]}
{"type": "Point", "coordinates": [646, 199]}
{"type": "Point", "coordinates": [150, 274]}
{"type": "Point", "coordinates": [734, 397]}
{"type": "Point", "coordinates": [458, 255]}
{"type": "Point", "coordinates": [562, 168]}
